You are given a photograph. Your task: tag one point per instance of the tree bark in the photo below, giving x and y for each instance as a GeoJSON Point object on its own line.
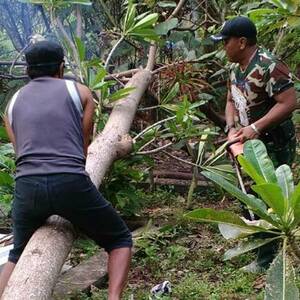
{"type": "Point", "coordinates": [103, 151]}
{"type": "Point", "coordinates": [79, 21]}
{"type": "Point", "coordinates": [38, 268]}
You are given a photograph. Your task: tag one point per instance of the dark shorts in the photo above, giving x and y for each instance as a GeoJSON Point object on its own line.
{"type": "Point", "coordinates": [71, 196]}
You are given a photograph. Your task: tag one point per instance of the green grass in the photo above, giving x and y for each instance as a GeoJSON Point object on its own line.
{"type": "Point", "coordinates": [189, 255]}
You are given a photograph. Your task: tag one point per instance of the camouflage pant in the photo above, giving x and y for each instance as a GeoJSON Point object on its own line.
{"type": "Point", "coordinates": [281, 143]}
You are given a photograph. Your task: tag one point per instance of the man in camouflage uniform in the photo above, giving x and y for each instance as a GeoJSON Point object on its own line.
{"type": "Point", "coordinates": [261, 97]}
{"type": "Point", "coordinates": [260, 102]}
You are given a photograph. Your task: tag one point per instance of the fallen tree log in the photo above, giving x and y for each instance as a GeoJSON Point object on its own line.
{"type": "Point", "coordinates": [38, 268]}
{"type": "Point", "coordinates": [90, 272]}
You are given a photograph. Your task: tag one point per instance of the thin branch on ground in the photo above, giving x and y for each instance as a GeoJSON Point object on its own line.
{"type": "Point", "coordinates": [153, 47]}
{"type": "Point", "coordinates": [147, 144]}
{"type": "Point", "coordinates": [121, 74]}
{"type": "Point", "coordinates": [180, 159]}
{"type": "Point", "coordinates": [112, 52]}
{"type": "Point", "coordinates": [148, 108]}
{"type": "Point", "coordinates": [175, 64]}
{"type": "Point", "coordinates": [154, 150]}
{"type": "Point", "coordinates": [119, 81]}
{"type": "Point", "coordinates": [152, 126]}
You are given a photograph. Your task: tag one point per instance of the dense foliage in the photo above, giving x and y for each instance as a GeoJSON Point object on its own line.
{"type": "Point", "coordinates": [183, 107]}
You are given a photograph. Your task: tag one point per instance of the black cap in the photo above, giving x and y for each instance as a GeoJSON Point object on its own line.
{"type": "Point", "coordinates": [236, 27]}
{"type": "Point", "coordinates": [44, 53]}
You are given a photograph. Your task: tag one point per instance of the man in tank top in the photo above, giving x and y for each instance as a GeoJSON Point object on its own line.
{"type": "Point", "coordinates": [49, 122]}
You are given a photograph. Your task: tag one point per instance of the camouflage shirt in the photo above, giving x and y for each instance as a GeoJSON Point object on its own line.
{"type": "Point", "coordinates": [253, 90]}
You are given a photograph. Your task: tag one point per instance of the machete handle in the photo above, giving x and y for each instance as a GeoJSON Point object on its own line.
{"type": "Point", "coordinates": [235, 147]}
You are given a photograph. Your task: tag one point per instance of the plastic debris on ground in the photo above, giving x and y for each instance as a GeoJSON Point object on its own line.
{"type": "Point", "coordinates": [5, 246]}
{"type": "Point", "coordinates": [162, 289]}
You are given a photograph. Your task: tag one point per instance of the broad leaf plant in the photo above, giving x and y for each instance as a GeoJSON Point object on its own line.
{"type": "Point", "coordinates": [276, 202]}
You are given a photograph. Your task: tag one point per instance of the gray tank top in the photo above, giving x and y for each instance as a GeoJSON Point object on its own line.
{"type": "Point", "coordinates": [46, 118]}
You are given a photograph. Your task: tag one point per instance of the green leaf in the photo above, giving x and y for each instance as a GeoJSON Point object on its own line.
{"type": "Point", "coordinates": [6, 179]}
{"type": "Point", "coordinates": [3, 134]}
{"type": "Point", "coordinates": [141, 16]}
{"type": "Point", "coordinates": [103, 84]}
{"type": "Point", "coordinates": [170, 107]}
{"type": "Point", "coordinates": [261, 12]}
{"type": "Point", "coordinates": [80, 48]}
{"type": "Point", "coordinates": [221, 216]}
{"type": "Point", "coordinates": [216, 155]}
{"type": "Point", "coordinates": [285, 180]}
{"type": "Point", "coordinates": [223, 168]}
{"type": "Point", "coordinates": [256, 205]}
{"type": "Point", "coordinates": [207, 55]}
{"type": "Point", "coordinates": [278, 3]}
{"type": "Point", "coordinates": [172, 93]}
{"type": "Point", "coordinates": [255, 153]}
{"type": "Point", "coordinates": [293, 21]}
{"type": "Point", "coordinates": [121, 93]}
{"type": "Point", "coordinates": [226, 176]}
{"type": "Point", "coordinates": [146, 22]}
{"type": "Point", "coordinates": [295, 202]}
{"type": "Point", "coordinates": [99, 77]}
{"type": "Point", "coordinates": [201, 145]}
{"type": "Point", "coordinates": [247, 246]}
{"type": "Point", "coordinates": [280, 281]}
{"type": "Point", "coordinates": [250, 170]}
{"type": "Point", "coordinates": [164, 27]}
{"type": "Point", "coordinates": [7, 149]}
{"type": "Point", "coordinates": [272, 195]}
{"type": "Point", "coordinates": [232, 232]}
{"type": "Point", "coordinates": [129, 17]}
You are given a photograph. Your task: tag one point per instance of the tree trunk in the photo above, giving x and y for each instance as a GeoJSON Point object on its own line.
{"type": "Point", "coordinates": [105, 149]}
{"type": "Point", "coordinates": [38, 268]}
{"type": "Point", "coordinates": [79, 21]}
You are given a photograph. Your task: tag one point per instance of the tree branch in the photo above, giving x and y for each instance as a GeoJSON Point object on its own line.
{"type": "Point", "coordinates": [153, 47]}
{"type": "Point", "coordinates": [154, 150]}
{"type": "Point", "coordinates": [79, 21]}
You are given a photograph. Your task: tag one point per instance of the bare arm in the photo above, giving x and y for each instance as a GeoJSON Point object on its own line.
{"type": "Point", "coordinates": [230, 113]}
{"type": "Point", "coordinates": [88, 112]}
{"type": "Point", "coordinates": [229, 110]}
{"type": "Point", "coordinates": [286, 104]}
